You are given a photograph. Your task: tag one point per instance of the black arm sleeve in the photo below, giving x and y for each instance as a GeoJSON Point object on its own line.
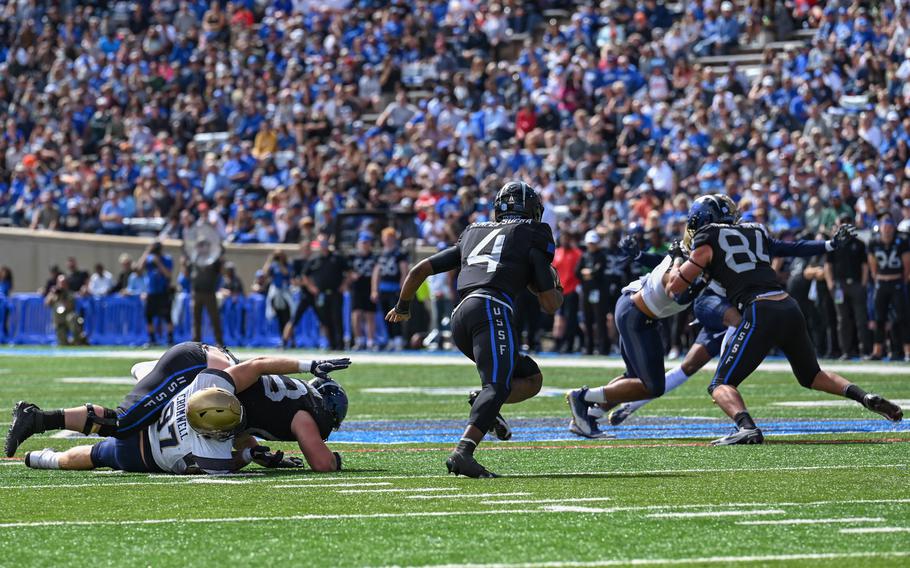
{"type": "Point", "coordinates": [540, 271]}
{"type": "Point", "coordinates": [649, 259]}
{"type": "Point", "coordinates": [445, 260]}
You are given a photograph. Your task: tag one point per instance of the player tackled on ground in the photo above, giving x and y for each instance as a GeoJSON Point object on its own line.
{"type": "Point", "coordinates": [497, 259]}
{"type": "Point", "coordinates": [736, 256]}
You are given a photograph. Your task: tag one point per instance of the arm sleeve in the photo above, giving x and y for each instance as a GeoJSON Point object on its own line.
{"type": "Point", "coordinates": [650, 259]}
{"type": "Point", "coordinates": [797, 248]}
{"type": "Point", "coordinates": [542, 240]}
{"type": "Point", "coordinates": [445, 260]}
{"type": "Point", "coordinates": [541, 274]}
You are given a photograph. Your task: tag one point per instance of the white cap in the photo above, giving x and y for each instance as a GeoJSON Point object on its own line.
{"type": "Point", "coordinates": [726, 6]}
{"type": "Point", "coordinates": [592, 238]}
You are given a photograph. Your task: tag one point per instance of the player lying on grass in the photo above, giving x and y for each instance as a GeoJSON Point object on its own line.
{"type": "Point", "coordinates": [643, 303]}
{"type": "Point", "coordinates": [735, 255]}
{"type": "Point", "coordinates": [277, 407]}
{"type": "Point", "coordinates": [199, 430]}
{"type": "Point", "coordinates": [714, 311]}
{"type": "Point", "coordinates": [497, 259]}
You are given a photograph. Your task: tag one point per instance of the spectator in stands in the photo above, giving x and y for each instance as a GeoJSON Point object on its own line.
{"type": "Point", "coordinates": [76, 278]}
{"type": "Point", "coordinates": [156, 267]}
{"type": "Point", "coordinates": [68, 324]}
{"type": "Point", "coordinates": [121, 285]}
{"type": "Point", "coordinates": [325, 276]}
{"type": "Point", "coordinates": [6, 281]}
{"type": "Point", "coordinates": [100, 283]}
{"type": "Point", "coordinates": [47, 216]}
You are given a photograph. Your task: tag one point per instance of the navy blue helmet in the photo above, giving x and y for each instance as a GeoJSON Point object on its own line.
{"type": "Point", "coordinates": [708, 209]}
{"type": "Point", "coordinates": [518, 199]}
{"type": "Point", "coordinates": [334, 398]}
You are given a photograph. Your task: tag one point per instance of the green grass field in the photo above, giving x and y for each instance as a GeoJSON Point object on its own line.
{"type": "Point", "coordinates": [806, 499]}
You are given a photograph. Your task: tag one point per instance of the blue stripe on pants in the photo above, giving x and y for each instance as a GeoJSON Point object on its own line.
{"type": "Point", "coordinates": [742, 348]}
{"type": "Point", "coordinates": [505, 314]}
{"type": "Point", "coordinates": [493, 344]}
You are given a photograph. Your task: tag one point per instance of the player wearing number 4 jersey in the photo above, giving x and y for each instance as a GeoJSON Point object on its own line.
{"type": "Point", "coordinates": [735, 255]}
{"type": "Point", "coordinates": [497, 260]}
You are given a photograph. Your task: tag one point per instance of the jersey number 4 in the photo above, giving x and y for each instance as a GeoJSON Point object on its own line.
{"type": "Point", "coordinates": [477, 255]}
{"type": "Point", "coordinates": [738, 252]}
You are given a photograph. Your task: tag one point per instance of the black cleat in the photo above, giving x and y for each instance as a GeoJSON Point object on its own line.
{"type": "Point", "coordinates": [883, 406]}
{"type": "Point", "coordinates": [24, 424]}
{"type": "Point", "coordinates": [501, 428]}
{"type": "Point", "coordinates": [741, 436]}
{"type": "Point", "coordinates": [463, 464]}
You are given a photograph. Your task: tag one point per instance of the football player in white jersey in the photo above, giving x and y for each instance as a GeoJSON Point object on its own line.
{"type": "Point", "coordinates": [642, 304]}
{"type": "Point", "coordinates": [196, 432]}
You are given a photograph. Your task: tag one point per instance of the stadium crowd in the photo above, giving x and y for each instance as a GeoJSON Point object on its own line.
{"type": "Point", "coordinates": [271, 118]}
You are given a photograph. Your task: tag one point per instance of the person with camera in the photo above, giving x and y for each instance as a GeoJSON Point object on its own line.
{"type": "Point", "coordinates": [67, 321]}
{"type": "Point", "coordinates": [156, 267]}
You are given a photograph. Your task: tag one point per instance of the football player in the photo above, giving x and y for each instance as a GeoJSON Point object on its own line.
{"type": "Point", "coordinates": [737, 256]}
{"type": "Point", "coordinates": [713, 310]}
{"type": "Point", "coordinates": [497, 260]}
{"type": "Point", "coordinates": [195, 432]}
{"type": "Point", "coordinates": [889, 262]}
{"type": "Point", "coordinates": [308, 416]}
{"type": "Point", "coordinates": [643, 303]}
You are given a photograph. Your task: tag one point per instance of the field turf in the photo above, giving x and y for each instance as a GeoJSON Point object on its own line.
{"type": "Point", "coordinates": [806, 498]}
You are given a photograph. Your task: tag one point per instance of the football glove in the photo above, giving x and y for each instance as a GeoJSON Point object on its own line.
{"type": "Point", "coordinates": [844, 234]}
{"type": "Point", "coordinates": [264, 456]}
{"type": "Point", "coordinates": [629, 245]}
{"type": "Point", "coordinates": [676, 251]}
{"type": "Point", "coordinates": [329, 365]}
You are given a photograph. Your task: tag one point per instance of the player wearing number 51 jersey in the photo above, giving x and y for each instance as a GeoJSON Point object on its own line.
{"type": "Point", "coordinates": [496, 261]}
{"type": "Point", "coordinates": [736, 255]}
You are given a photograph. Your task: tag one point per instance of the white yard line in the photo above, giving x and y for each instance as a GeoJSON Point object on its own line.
{"type": "Point", "coordinates": [399, 490]}
{"type": "Point", "coordinates": [572, 509]}
{"type": "Point", "coordinates": [543, 501]}
{"type": "Point", "coordinates": [814, 521]}
{"type": "Point", "coordinates": [862, 530]}
{"type": "Point", "coordinates": [468, 495]}
{"type": "Point", "coordinates": [333, 485]}
{"type": "Point", "coordinates": [697, 514]}
{"type": "Point", "coordinates": [683, 561]}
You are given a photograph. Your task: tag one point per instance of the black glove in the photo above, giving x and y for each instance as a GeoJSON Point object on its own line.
{"type": "Point", "coordinates": [290, 462]}
{"type": "Point", "coordinates": [629, 245]}
{"type": "Point", "coordinates": [337, 461]}
{"type": "Point", "coordinates": [844, 234]}
{"type": "Point", "coordinates": [676, 251]}
{"type": "Point", "coordinates": [263, 456]}
{"type": "Point", "coordinates": [329, 365]}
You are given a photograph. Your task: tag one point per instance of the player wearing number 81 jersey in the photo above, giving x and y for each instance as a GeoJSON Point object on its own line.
{"type": "Point", "coordinates": [496, 260]}
{"type": "Point", "coordinates": [736, 256]}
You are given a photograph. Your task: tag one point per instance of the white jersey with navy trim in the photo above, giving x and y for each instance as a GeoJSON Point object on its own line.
{"type": "Point", "coordinates": [653, 292]}
{"type": "Point", "coordinates": [176, 447]}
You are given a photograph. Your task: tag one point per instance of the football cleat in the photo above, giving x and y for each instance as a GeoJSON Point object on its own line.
{"type": "Point", "coordinates": [594, 433]}
{"type": "Point", "coordinates": [883, 406]}
{"type": "Point", "coordinates": [501, 428]}
{"type": "Point", "coordinates": [584, 423]}
{"type": "Point", "coordinates": [619, 415]}
{"type": "Point", "coordinates": [463, 464]}
{"type": "Point", "coordinates": [23, 426]}
{"type": "Point", "coordinates": [740, 436]}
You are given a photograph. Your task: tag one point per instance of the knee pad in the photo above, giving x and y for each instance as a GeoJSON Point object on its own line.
{"type": "Point", "coordinates": [105, 425]}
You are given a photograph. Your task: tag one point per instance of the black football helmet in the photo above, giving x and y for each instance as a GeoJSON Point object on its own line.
{"type": "Point", "coordinates": [334, 398]}
{"type": "Point", "coordinates": [517, 199]}
{"type": "Point", "coordinates": [708, 209]}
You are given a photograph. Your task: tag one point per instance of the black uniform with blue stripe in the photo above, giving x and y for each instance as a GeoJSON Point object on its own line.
{"type": "Point", "coordinates": [497, 260]}
{"type": "Point", "coordinates": [891, 294]}
{"type": "Point", "coordinates": [741, 263]}
{"type": "Point", "coordinates": [173, 372]}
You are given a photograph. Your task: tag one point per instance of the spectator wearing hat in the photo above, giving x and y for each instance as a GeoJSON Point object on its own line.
{"type": "Point", "coordinates": [590, 272]}
{"type": "Point", "coordinates": [360, 283]}
{"type": "Point", "coordinates": [325, 276]}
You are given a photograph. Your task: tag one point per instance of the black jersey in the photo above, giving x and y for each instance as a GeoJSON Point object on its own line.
{"type": "Point", "coordinates": [889, 258]}
{"type": "Point", "coordinates": [497, 255]}
{"type": "Point", "coordinates": [390, 270]}
{"type": "Point", "coordinates": [741, 261]}
{"type": "Point", "coordinates": [362, 266]}
{"type": "Point", "coordinates": [272, 402]}
{"type": "Point", "coordinates": [616, 270]}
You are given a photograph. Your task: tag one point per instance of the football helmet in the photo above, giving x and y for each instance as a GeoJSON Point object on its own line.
{"type": "Point", "coordinates": [708, 209]}
{"type": "Point", "coordinates": [516, 198]}
{"type": "Point", "coordinates": [215, 413]}
{"type": "Point", "coordinates": [334, 398]}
